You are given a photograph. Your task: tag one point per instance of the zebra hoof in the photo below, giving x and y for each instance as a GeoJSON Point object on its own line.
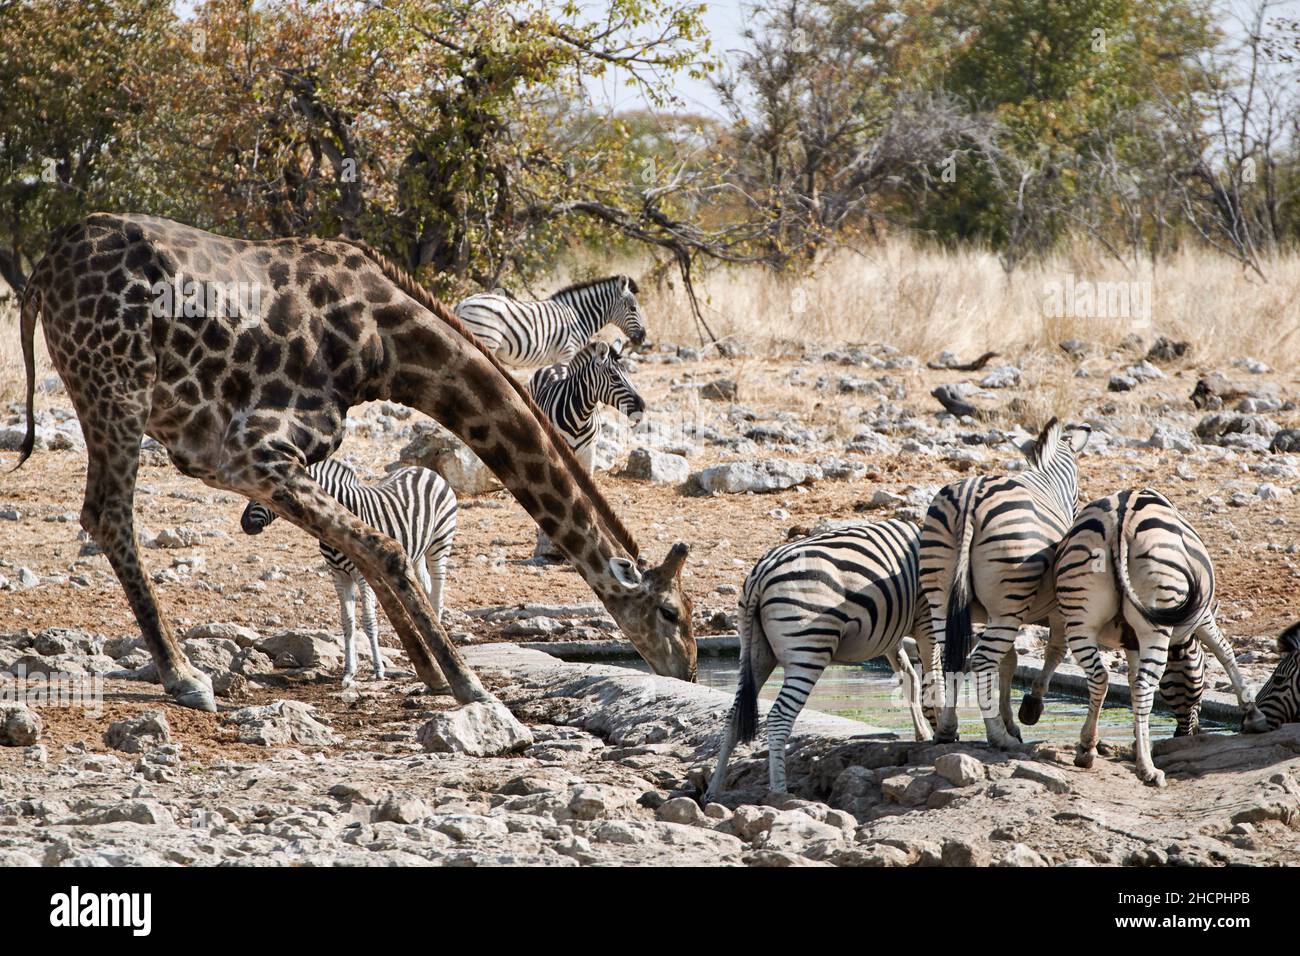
{"type": "Point", "coordinates": [947, 737]}
{"type": "Point", "coordinates": [1153, 778]}
{"type": "Point", "coordinates": [1031, 709]}
{"type": "Point", "coordinates": [1084, 758]}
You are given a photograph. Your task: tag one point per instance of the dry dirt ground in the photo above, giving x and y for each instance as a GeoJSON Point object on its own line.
{"type": "Point", "coordinates": [815, 400]}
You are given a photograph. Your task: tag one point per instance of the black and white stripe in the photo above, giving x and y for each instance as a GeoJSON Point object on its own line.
{"type": "Point", "coordinates": [552, 330]}
{"type": "Point", "coordinates": [569, 394]}
{"type": "Point", "coordinates": [413, 506]}
{"type": "Point", "coordinates": [1133, 573]}
{"type": "Point", "coordinates": [986, 553]}
{"type": "Point", "coordinates": [842, 596]}
{"type": "Point", "coordinates": [1279, 698]}
{"type": "Point", "coordinates": [1183, 684]}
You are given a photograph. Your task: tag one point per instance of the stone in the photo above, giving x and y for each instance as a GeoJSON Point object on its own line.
{"type": "Point", "coordinates": [1121, 383]}
{"type": "Point", "coordinates": [793, 830]}
{"type": "Point", "coordinates": [1218, 427]}
{"type": "Point", "coordinates": [657, 467]}
{"type": "Point", "coordinates": [959, 769]}
{"type": "Point", "coordinates": [434, 447]}
{"type": "Point", "coordinates": [280, 723]}
{"type": "Point", "coordinates": [147, 812]}
{"type": "Point", "coordinates": [873, 854]}
{"type": "Point", "coordinates": [1051, 778]}
{"type": "Point", "coordinates": [760, 476]}
{"type": "Point", "coordinates": [20, 726]}
{"type": "Point", "coordinates": [1020, 855]}
{"type": "Point", "coordinates": [1004, 376]}
{"type": "Point", "coordinates": [1169, 438]}
{"type": "Point", "coordinates": [964, 853]}
{"type": "Point", "coordinates": [137, 734]}
{"type": "Point", "coordinates": [682, 810]}
{"type": "Point", "coordinates": [1167, 350]}
{"type": "Point", "coordinates": [398, 809]}
{"type": "Point", "coordinates": [172, 538]}
{"type": "Point", "coordinates": [480, 729]}
{"type": "Point", "coordinates": [720, 390]}
{"type": "Point", "coordinates": [1286, 440]}
{"type": "Point", "coordinates": [301, 649]}
{"type": "Point", "coordinates": [243, 636]}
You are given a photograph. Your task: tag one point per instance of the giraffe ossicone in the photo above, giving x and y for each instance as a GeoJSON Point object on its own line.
{"type": "Point", "coordinates": [246, 406]}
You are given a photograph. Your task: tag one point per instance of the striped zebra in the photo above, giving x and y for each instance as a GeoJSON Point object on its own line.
{"type": "Point", "coordinates": [552, 330]}
{"type": "Point", "coordinates": [842, 596]}
{"type": "Point", "coordinates": [986, 553]}
{"type": "Point", "coordinates": [1133, 573]}
{"type": "Point", "coordinates": [413, 506]}
{"type": "Point", "coordinates": [1279, 698]}
{"type": "Point", "coordinates": [568, 395]}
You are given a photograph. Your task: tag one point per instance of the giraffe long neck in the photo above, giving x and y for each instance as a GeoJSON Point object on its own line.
{"type": "Point", "coordinates": [439, 368]}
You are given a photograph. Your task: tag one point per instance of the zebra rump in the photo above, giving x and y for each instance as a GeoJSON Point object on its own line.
{"type": "Point", "coordinates": [1175, 615]}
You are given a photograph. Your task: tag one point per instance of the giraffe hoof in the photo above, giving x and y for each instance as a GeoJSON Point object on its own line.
{"type": "Point", "coordinates": [194, 692]}
{"type": "Point", "coordinates": [1031, 709]}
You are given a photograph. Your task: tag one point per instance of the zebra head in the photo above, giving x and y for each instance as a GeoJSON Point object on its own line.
{"type": "Point", "coordinates": [1279, 699]}
{"type": "Point", "coordinates": [255, 518]}
{"type": "Point", "coordinates": [599, 366]}
{"type": "Point", "coordinates": [1053, 454]}
{"type": "Point", "coordinates": [625, 311]}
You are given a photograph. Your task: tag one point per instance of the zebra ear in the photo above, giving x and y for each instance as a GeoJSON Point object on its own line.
{"type": "Point", "coordinates": [1079, 435]}
{"type": "Point", "coordinates": [625, 572]}
{"type": "Point", "coordinates": [628, 284]}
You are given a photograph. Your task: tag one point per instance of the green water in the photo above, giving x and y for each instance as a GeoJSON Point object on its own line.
{"type": "Point", "coordinates": [870, 693]}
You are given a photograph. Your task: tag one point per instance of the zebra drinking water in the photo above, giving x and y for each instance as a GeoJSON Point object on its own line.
{"type": "Point", "coordinates": [1132, 573]}
{"type": "Point", "coordinates": [986, 552]}
{"type": "Point", "coordinates": [413, 506]}
{"type": "Point", "coordinates": [551, 330]}
{"type": "Point", "coordinates": [1279, 698]}
{"type": "Point", "coordinates": [843, 596]}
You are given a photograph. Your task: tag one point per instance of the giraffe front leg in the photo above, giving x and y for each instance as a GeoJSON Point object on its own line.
{"type": "Point", "coordinates": [287, 489]}
{"type": "Point", "coordinates": [346, 588]}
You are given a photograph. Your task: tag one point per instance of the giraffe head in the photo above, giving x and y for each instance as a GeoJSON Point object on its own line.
{"type": "Point", "coordinates": [655, 612]}
{"type": "Point", "coordinates": [626, 311]}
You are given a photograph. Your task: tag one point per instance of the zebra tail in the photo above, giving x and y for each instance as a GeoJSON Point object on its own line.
{"type": "Point", "coordinates": [1175, 615]}
{"type": "Point", "coordinates": [745, 709]}
{"type": "Point", "coordinates": [30, 311]}
{"type": "Point", "coordinates": [959, 634]}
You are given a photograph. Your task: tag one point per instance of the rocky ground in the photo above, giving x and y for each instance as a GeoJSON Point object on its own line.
{"type": "Point", "coordinates": [736, 453]}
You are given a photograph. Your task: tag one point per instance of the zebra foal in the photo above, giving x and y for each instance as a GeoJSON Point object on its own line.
{"type": "Point", "coordinates": [842, 596]}
{"type": "Point", "coordinates": [413, 506]}
{"type": "Point", "coordinates": [987, 546]}
{"type": "Point", "coordinates": [531, 333]}
{"type": "Point", "coordinates": [1132, 573]}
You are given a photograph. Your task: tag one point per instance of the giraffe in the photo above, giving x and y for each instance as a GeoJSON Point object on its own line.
{"type": "Point", "coordinates": [247, 389]}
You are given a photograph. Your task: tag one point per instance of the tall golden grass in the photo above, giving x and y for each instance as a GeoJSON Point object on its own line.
{"type": "Point", "coordinates": [923, 299]}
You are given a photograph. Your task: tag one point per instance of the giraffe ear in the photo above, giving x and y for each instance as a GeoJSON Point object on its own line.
{"type": "Point", "coordinates": [625, 572]}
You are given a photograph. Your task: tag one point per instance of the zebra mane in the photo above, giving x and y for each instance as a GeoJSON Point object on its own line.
{"type": "Point", "coordinates": [1046, 445]}
{"type": "Point", "coordinates": [407, 283]}
{"type": "Point", "coordinates": [590, 283]}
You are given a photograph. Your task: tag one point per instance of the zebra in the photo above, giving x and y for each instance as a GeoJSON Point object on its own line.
{"type": "Point", "coordinates": [568, 395]}
{"type": "Point", "coordinates": [414, 506]}
{"type": "Point", "coordinates": [845, 595]}
{"type": "Point", "coordinates": [1279, 698]}
{"type": "Point", "coordinates": [1132, 573]}
{"type": "Point", "coordinates": [987, 545]}
{"type": "Point", "coordinates": [552, 330]}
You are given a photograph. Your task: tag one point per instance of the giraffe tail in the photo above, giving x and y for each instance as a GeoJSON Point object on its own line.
{"type": "Point", "coordinates": [30, 311]}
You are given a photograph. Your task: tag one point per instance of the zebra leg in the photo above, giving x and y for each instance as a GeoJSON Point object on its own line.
{"type": "Point", "coordinates": [991, 647]}
{"type": "Point", "coordinates": [1087, 653]}
{"type": "Point", "coordinates": [945, 689]}
{"type": "Point", "coordinates": [1006, 678]}
{"type": "Point", "coordinates": [1031, 705]}
{"type": "Point", "coordinates": [370, 621]}
{"type": "Point", "coordinates": [1253, 722]}
{"type": "Point", "coordinates": [1145, 666]}
{"type": "Point", "coordinates": [346, 588]}
{"type": "Point", "coordinates": [798, 684]}
{"type": "Point", "coordinates": [931, 668]}
{"type": "Point", "coordinates": [763, 663]}
{"type": "Point", "coordinates": [1182, 685]}
{"type": "Point", "coordinates": [435, 580]}
{"type": "Point", "coordinates": [902, 665]}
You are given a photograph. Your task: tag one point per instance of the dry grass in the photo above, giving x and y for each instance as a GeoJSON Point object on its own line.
{"type": "Point", "coordinates": [923, 300]}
